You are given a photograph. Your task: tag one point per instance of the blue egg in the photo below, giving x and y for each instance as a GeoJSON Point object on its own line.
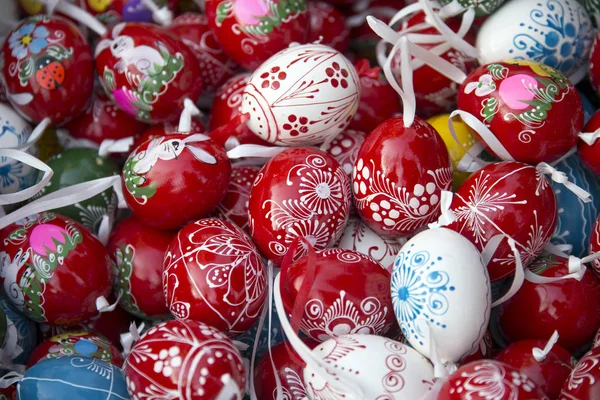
{"type": "Point", "coordinates": [20, 331]}
{"type": "Point", "coordinates": [588, 107]}
{"type": "Point", "coordinates": [85, 347]}
{"type": "Point", "coordinates": [73, 378]}
{"type": "Point", "coordinates": [575, 218]}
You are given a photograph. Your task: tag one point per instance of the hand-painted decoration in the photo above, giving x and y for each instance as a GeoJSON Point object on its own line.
{"type": "Point", "coordinates": [584, 381]}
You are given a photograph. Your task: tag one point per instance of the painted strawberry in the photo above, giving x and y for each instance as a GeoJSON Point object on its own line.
{"type": "Point", "coordinates": [50, 73]}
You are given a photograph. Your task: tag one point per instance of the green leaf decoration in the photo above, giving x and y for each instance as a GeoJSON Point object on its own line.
{"type": "Point", "coordinates": [489, 110]}
{"type": "Point", "coordinates": [59, 52]}
{"type": "Point", "coordinates": [497, 71]}
{"type": "Point", "coordinates": [279, 12]}
{"type": "Point", "coordinates": [26, 68]}
{"type": "Point", "coordinates": [109, 81]}
{"type": "Point", "coordinates": [124, 256]}
{"type": "Point", "coordinates": [224, 10]}
{"type": "Point", "coordinates": [135, 183]}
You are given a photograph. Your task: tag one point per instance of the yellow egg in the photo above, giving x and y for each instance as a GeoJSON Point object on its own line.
{"type": "Point", "coordinates": [31, 7]}
{"type": "Point", "coordinates": [456, 151]}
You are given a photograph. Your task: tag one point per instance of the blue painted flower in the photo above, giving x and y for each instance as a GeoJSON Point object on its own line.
{"type": "Point", "coordinates": [418, 292]}
{"type": "Point", "coordinates": [28, 38]}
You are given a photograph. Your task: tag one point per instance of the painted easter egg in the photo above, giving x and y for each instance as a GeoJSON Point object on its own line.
{"type": "Point", "coordinates": [523, 103]}
{"type": "Point", "coordinates": [81, 344]}
{"type": "Point", "coordinates": [594, 70]}
{"type": "Point", "coordinates": [548, 374]}
{"type": "Point", "coordinates": [300, 192]}
{"type": "Point", "coordinates": [147, 71]}
{"type": "Point", "coordinates": [482, 7]}
{"type": "Point", "coordinates": [215, 66]}
{"type": "Point", "coordinates": [557, 33]}
{"type": "Point", "coordinates": [584, 380]}
{"type": "Point", "coordinates": [481, 379]}
{"type": "Point", "coordinates": [590, 153]}
{"type": "Point", "coordinates": [137, 251]}
{"type": "Point", "coordinates": [380, 367]}
{"type": "Point", "coordinates": [399, 176]}
{"type": "Point", "coordinates": [166, 128]}
{"type": "Point", "coordinates": [437, 299]}
{"type": "Point", "coordinates": [508, 198]}
{"type": "Point", "coordinates": [21, 333]}
{"type": "Point", "coordinates": [302, 96]}
{"type": "Point", "coordinates": [251, 31]}
{"type": "Point", "coordinates": [183, 358]}
{"type": "Point", "coordinates": [14, 131]}
{"type": "Point", "coordinates": [73, 377]}
{"type": "Point", "coordinates": [349, 295]}
{"type": "Point", "coordinates": [48, 69]}
{"type": "Point", "coordinates": [234, 207]}
{"type": "Point", "coordinates": [78, 165]}
{"type": "Point", "coordinates": [344, 148]}
{"type": "Point", "coordinates": [53, 269]}
{"type": "Point", "coordinates": [328, 26]}
{"type": "Point", "coordinates": [539, 309]}
{"type": "Point", "coordinates": [575, 217]}
{"type": "Point", "coordinates": [163, 197]}
{"type": "Point", "coordinates": [378, 100]}
{"type": "Point", "coordinates": [213, 273]}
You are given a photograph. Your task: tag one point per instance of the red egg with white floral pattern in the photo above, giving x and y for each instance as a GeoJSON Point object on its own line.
{"type": "Point", "coordinates": [76, 344]}
{"type": "Point", "coordinates": [548, 373]}
{"type": "Point", "coordinates": [595, 244]}
{"type": "Point", "coordinates": [48, 69]}
{"type": "Point", "coordinates": [590, 153]}
{"type": "Point", "coordinates": [137, 252]}
{"type": "Point", "coordinates": [435, 93]}
{"type": "Point", "coordinates": [215, 66]}
{"type": "Point", "coordinates": [506, 198]}
{"type": "Point", "coordinates": [234, 207]}
{"type": "Point", "coordinates": [147, 71]}
{"type": "Point", "coordinates": [350, 294]}
{"type": "Point", "coordinates": [104, 120]}
{"type": "Point", "coordinates": [344, 148]}
{"type": "Point", "coordinates": [489, 379]}
{"type": "Point", "coordinates": [399, 175]}
{"type": "Point", "coordinates": [584, 380]}
{"type": "Point", "coordinates": [172, 180]}
{"type": "Point", "coordinates": [53, 270]}
{"type": "Point", "coordinates": [213, 273]}
{"type": "Point", "coordinates": [524, 104]}
{"type": "Point", "coordinates": [378, 99]}
{"type": "Point", "coordinates": [301, 192]}
{"type": "Point", "coordinates": [328, 26]}
{"type": "Point", "coordinates": [539, 309]}
{"type": "Point", "coordinates": [184, 359]}
{"type": "Point", "coordinates": [251, 31]}
{"type": "Point", "coordinates": [302, 96]}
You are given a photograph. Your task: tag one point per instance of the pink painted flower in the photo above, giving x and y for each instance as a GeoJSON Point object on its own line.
{"type": "Point", "coordinates": [123, 99]}
{"type": "Point", "coordinates": [248, 12]}
{"type": "Point", "coordinates": [518, 89]}
{"type": "Point", "coordinates": [43, 236]}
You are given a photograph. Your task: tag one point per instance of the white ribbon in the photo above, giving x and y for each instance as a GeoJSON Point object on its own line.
{"type": "Point", "coordinates": [518, 278]}
{"type": "Point", "coordinates": [35, 136]}
{"type": "Point", "coordinates": [590, 137]}
{"type": "Point", "coordinates": [539, 354]}
{"type": "Point", "coordinates": [230, 389]}
{"type": "Point", "coordinates": [560, 177]}
{"type": "Point", "coordinates": [231, 143]}
{"type": "Point", "coordinates": [76, 13]}
{"type": "Point", "coordinates": [28, 159]}
{"type": "Point", "coordinates": [160, 15]}
{"type": "Point", "coordinates": [575, 266]}
{"type": "Point", "coordinates": [448, 216]}
{"type": "Point", "coordinates": [561, 250]}
{"type": "Point", "coordinates": [6, 362]}
{"type": "Point", "coordinates": [67, 196]}
{"type": "Point", "coordinates": [10, 379]}
{"type": "Point", "coordinates": [255, 151]}
{"type": "Point", "coordinates": [103, 306]}
{"type": "Point", "coordinates": [105, 229]}
{"type": "Point", "coordinates": [467, 163]}
{"type": "Point", "coordinates": [484, 132]}
{"type": "Point", "coordinates": [112, 146]}
{"type": "Point", "coordinates": [68, 142]}
{"type": "Point", "coordinates": [440, 371]}
{"type": "Point", "coordinates": [189, 110]}
{"type": "Point", "coordinates": [128, 339]}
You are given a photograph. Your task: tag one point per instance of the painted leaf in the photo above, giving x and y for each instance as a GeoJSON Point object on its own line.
{"type": "Point", "coordinates": [26, 68]}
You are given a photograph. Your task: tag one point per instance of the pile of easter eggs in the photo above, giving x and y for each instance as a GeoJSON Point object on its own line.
{"type": "Point", "coordinates": [300, 199]}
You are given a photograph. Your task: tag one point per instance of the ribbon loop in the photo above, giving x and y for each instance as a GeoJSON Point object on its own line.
{"type": "Point", "coordinates": [103, 306]}
{"type": "Point", "coordinates": [539, 354]}
{"type": "Point", "coordinates": [10, 379]}
{"type": "Point", "coordinates": [518, 278]}
{"type": "Point", "coordinates": [255, 151]}
{"type": "Point", "coordinates": [161, 15]}
{"type": "Point", "coordinates": [590, 137]}
{"type": "Point", "coordinates": [560, 177]}
{"type": "Point", "coordinates": [28, 193]}
{"type": "Point", "coordinates": [448, 216]}
{"type": "Point", "coordinates": [185, 120]}
{"type": "Point", "coordinates": [76, 13]}
{"type": "Point", "coordinates": [111, 146]}
{"type": "Point", "coordinates": [128, 339]}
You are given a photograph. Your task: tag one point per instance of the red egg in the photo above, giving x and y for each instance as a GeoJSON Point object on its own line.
{"type": "Point", "coordinates": [147, 71]}
{"type": "Point", "coordinates": [104, 120]}
{"type": "Point", "coordinates": [350, 294]}
{"type": "Point", "coordinates": [301, 192]}
{"type": "Point", "coordinates": [595, 244]}
{"type": "Point", "coordinates": [595, 65]}
{"type": "Point", "coordinates": [507, 198]}
{"type": "Point", "coordinates": [170, 181]}
{"type": "Point", "coordinates": [548, 374]}
{"type": "Point", "coordinates": [328, 26]}
{"type": "Point", "coordinates": [183, 359]}
{"type": "Point", "coordinates": [590, 154]}
{"type": "Point", "coordinates": [215, 66]}
{"type": "Point", "coordinates": [378, 100]}
{"type": "Point", "coordinates": [483, 351]}
{"type": "Point", "coordinates": [166, 128]}
{"type": "Point", "coordinates": [138, 252]}
{"type": "Point", "coordinates": [489, 379]}
{"type": "Point", "coordinates": [399, 175]}
{"type": "Point", "coordinates": [584, 381]}
{"type": "Point", "coordinates": [524, 105]}
{"type": "Point", "coordinates": [53, 269]}
{"type": "Point", "coordinates": [48, 69]}
{"type": "Point", "coordinates": [344, 148]}
{"type": "Point", "coordinates": [568, 306]}
{"type": "Point", "coordinates": [290, 369]}
{"type": "Point", "coordinates": [234, 207]}
{"type": "Point", "coordinates": [251, 31]}
{"type": "Point", "coordinates": [213, 273]}
{"type": "Point", "coordinates": [76, 344]}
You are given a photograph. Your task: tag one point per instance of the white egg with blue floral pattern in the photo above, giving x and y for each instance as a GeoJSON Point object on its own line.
{"type": "Point", "coordinates": [439, 280]}
{"type": "Point", "coordinates": [558, 33]}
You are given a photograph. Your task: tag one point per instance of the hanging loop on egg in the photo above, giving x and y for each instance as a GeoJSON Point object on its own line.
{"type": "Point", "coordinates": [540, 354]}
{"type": "Point", "coordinates": [560, 177]}
{"type": "Point", "coordinates": [76, 13]}
{"type": "Point", "coordinates": [27, 159]}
